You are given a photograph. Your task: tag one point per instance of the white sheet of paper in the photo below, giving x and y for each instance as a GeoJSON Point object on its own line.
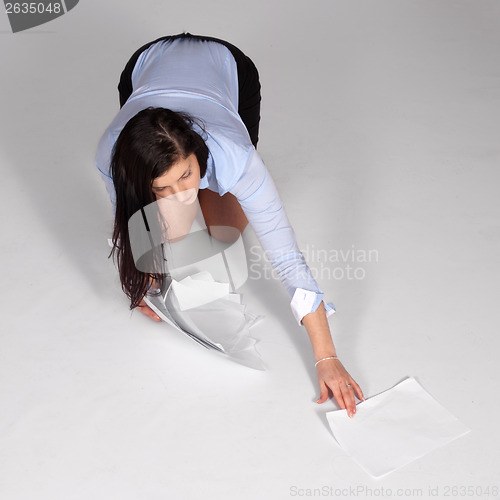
{"type": "Point", "coordinates": [394, 428]}
{"type": "Point", "coordinates": [194, 291]}
{"type": "Point", "coordinates": [222, 322]}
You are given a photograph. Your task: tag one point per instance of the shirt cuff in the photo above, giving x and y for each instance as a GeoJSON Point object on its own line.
{"type": "Point", "coordinates": [305, 301]}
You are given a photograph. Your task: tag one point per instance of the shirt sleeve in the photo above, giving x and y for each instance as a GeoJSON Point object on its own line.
{"type": "Point", "coordinates": [102, 162]}
{"type": "Point", "coordinates": [259, 199]}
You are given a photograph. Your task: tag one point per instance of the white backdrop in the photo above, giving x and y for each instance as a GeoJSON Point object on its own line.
{"type": "Point", "coordinates": [380, 127]}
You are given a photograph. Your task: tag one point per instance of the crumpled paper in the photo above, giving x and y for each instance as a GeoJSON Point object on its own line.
{"type": "Point", "coordinates": [208, 313]}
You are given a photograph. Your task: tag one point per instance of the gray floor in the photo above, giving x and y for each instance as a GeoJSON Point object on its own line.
{"type": "Point", "coordinates": [380, 127]}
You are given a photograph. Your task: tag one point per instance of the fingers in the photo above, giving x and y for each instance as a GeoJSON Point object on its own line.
{"type": "Point", "coordinates": [146, 310]}
{"type": "Point", "coordinates": [344, 395]}
{"type": "Point", "coordinates": [357, 390]}
{"type": "Point", "coordinates": [344, 388]}
{"type": "Point", "coordinates": [339, 397]}
{"type": "Point", "coordinates": [348, 398]}
{"type": "Point", "coordinates": [323, 394]}
{"type": "Point", "coordinates": [351, 388]}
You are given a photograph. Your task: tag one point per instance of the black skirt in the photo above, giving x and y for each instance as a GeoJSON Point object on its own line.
{"type": "Point", "coordinates": [248, 82]}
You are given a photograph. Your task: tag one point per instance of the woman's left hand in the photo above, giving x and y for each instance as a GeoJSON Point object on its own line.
{"type": "Point", "coordinates": [334, 377]}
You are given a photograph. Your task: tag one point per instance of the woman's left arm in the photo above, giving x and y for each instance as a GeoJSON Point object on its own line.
{"type": "Point", "coordinates": [257, 194]}
{"type": "Point", "coordinates": [331, 373]}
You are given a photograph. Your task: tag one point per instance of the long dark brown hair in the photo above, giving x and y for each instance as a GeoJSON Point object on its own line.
{"type": "Point", "coordinates": [149, 144]}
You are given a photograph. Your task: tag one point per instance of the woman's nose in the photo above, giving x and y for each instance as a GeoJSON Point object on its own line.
{"type": "Point", "coordinates": [174, 191]}
{"type": "Point", "coordinates": [181, 196]}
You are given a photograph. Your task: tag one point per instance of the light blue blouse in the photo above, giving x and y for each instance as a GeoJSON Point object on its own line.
{"type": "Point", "coordinates": [200, 78]}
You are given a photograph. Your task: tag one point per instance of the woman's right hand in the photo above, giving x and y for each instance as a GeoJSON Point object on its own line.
{"type": "Point", "coordinates": [145, 309]}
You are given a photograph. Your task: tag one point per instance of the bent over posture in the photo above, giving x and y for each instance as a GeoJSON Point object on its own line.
{"type": "Point", "coordinates": [188, 125]}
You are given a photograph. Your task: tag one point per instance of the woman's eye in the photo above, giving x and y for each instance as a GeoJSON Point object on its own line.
{"type": "Point", "coordinates": [187, 175]}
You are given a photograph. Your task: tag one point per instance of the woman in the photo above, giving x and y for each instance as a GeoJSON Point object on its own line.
{"type": "Point", "coordinates": [189, 124]}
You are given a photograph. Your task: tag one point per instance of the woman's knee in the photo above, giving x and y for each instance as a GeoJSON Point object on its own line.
{"type": "Point", "coordinates": [223, 215]}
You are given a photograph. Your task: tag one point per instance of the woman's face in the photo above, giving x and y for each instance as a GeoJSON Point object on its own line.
{"type": "Point", "coordinates": [181, 182]}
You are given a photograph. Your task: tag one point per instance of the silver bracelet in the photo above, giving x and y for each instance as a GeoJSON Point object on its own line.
{"type": "Point", "coordinates": [329, 357]}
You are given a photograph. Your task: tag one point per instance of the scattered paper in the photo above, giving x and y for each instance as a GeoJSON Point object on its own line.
{"type": "Point", "coordinates": [197, 292]}
{"type": "Point", "coordinates": [170, 237]}
{"type": "Point", "coordinates": [204, 310]}
{"type": "Point", "coordinates": [394, 428]}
